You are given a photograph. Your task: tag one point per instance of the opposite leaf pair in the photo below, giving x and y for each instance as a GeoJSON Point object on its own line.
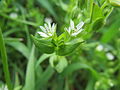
{"type": "Point", "coordinates": [61, 45]}
{"type": "Point", "coordinates": [49, 46]}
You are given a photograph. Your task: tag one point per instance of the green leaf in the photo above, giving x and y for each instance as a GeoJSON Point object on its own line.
{"type": "Point", "coordinates": [43, 45]}
{"type": "Point", "coordinates": [98, 23]}
{"type": "Point", "coordinates": [69, 47]}
{"type": "Point", "coordinates": [58, 62]}
{"type": "Point", "coordinates": [42, 58]}
{"type": "Point", "coordinates": [20, 47]}
{"type": "Point", "coordinates": [111, 32]}
{"type": "Point", "coordinates": [76, 66]}
{"type": "Point", "coordinates": [91, 83]}
{"type": "Point", "coordinates": [30, 74]}
{"type": "Point", "coordinates": [45, 76]}
{"type": "Point", "coordinates": [97, 12]}
{"type": "Point", "coordinates": [17, 81]}
{"type": "Point", "coordinates": [89, 7]}
{"type": "Point", "coordinates": [115, 2]}
{"type": "Point", "coordinates": [18, 88]}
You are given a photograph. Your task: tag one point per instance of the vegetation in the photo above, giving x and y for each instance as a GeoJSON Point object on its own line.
{"type": "Point", "coordinates": [59, 45]}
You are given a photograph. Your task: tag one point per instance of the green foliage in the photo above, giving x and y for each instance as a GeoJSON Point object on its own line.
{"type": "Point", "coordinates": [58, 62]}
{"type": "Point", "coordinates": [115, 2]}
{"type": "Point", "coordinates": [30, 73]}
{"type": "Point", "coordinates": [112, 31]}
{"type": "Point", "coordinates": [20, 47]}
{"type": "Point", "coordinates": [80, 52]}
{"type": "Point", "coordinates": [44, 45]}
{"type": "Point", "coordinates": [46, 4]}
{"type": "Point", "coordinates": [5, 61]}
{"type": "Point", "coordinates": [69, 47]}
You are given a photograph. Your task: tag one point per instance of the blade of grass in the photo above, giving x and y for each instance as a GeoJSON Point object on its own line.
{"type": "Point", "coordinates": [47, 74]}
{"type": "Point", "coordinates": [19, 20]}
{"type": "Point", "coordinates": [22, 9]}
{"type": "Point", "coordinates": [17, 81]}
{"type": "Point", "coordinates": [46, 4]}
{"type": "Point", "coordinates": [20, 47]}
{"type": "Point", "coordinates": [11, 31]}
{"type": "Point", "coordinates": [5, 62]}
{"type": "Point", "coordinates": [30, 74]}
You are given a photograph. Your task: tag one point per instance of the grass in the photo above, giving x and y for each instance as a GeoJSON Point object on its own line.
{"type": "Point", "coordinates": [5, 61]}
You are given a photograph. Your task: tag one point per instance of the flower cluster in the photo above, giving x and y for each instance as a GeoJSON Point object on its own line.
{"type": "Point", "coordinates": [49, 30]}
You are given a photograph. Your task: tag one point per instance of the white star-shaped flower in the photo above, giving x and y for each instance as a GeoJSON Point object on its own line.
{"type": "Point", "coordinates": [75, 30]}
{"type": "Point", "coordinates": [48, 30]}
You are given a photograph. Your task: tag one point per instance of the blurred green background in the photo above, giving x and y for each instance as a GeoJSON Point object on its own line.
{"type": "Point", "coordinates": [95, 65]}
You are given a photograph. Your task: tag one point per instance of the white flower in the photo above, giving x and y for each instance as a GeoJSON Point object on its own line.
{"type": "Point", "coordinates": [13, 15]}
{"type": "Point", "coordinates": [110, 56]}
{"type": "Point", "coordinates": [3, 87]}
{"type": "Point", "coordinates": [48, 19]}
{"type": "Point", "coordinates": [75, 30]}
{"type": "Point", "coordinates": [48, 30]}
{"type": "Point", "coordinates": [99, 47]}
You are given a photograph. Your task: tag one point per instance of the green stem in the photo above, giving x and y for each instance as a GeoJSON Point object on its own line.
{"type": "Point", "coordinates": [5, 62]}
{"type": "Point", "coordinates": [89, 7]}
{"type": "Point", "coordinates": [91, 14]}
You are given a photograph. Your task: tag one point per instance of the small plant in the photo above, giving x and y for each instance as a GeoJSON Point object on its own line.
{"type": "Point", "coordinates": [59, 45]}
{"type": "Point", "coordinates": [49, 42]}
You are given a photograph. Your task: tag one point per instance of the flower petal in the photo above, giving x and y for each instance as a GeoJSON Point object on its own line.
{"type": "Point", "coordinates": [68, 29]}
{"type": "Point", "coordinates": [43, 34]}
{"type": "Point", "coordinates": [50, 34]}
{"type": "Point", "coordinates": [49, 26]}
{"type": "Point", "coordinates": [76, 33]}
{"type": "Point", "coordinates": [43, 29]}
{"type": "Point", "coordinates": [46, 27]}
{"type": "Point", "coordinates": [71, 24]}
{"type": "Point", "coordinates": [53, 27]}
{"type": "Point", "coordinates": [79, 26]}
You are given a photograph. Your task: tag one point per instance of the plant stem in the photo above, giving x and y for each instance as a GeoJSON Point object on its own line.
{"type": "Point", "coordinates": [4, 61]}
{"type": "Point", "coordinates": [90, 7]}
{"type": "Point", "coordinates": [91, 14]}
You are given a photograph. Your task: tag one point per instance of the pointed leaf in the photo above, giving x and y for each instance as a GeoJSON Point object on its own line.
{"type": "Point", "coordinates": [43, 45]}
{"type": "Point", "coordinates": [69, 47]}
